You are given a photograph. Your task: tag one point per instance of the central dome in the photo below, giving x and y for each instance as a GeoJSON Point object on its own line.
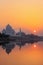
{"type": "Point", "coordinates": [8, 30]}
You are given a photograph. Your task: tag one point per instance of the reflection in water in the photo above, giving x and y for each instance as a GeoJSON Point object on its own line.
{"type": "Point", "coordinates": [10, 45]}
{"type": "Point", "coordinates": [28, 55]}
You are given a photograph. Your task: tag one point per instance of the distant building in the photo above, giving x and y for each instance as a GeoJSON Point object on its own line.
{"type": "Point", "coordinates": [8, 30]}
{"type": "Point", "coordinates": [20, 33]}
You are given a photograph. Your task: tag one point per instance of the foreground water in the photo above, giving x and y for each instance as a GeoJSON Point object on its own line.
{"type": "Point", "coordinates": [27, 55]}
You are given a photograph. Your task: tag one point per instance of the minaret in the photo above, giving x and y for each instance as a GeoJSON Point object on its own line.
{"type": "Point", "coordinates": [20, 31]}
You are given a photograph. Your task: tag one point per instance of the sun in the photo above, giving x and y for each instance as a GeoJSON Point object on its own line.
{"type": "Point", "coordinates": [35, 46]}
{"type": "Point", "coordinates": [34, 31]}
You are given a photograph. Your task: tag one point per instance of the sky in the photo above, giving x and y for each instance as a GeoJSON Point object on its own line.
{"type": "Point", "coordinates": [25, 14]}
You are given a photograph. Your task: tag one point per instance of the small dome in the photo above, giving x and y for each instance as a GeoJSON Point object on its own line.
{"type": "Point", "coordinates": [20, 33]}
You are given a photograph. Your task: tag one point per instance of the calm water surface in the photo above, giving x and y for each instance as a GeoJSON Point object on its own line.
{"type": "Point", "coordinates": [27, 55]}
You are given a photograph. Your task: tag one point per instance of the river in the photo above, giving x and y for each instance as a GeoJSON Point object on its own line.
{"type": "Point", "coordinates": [26, 55]}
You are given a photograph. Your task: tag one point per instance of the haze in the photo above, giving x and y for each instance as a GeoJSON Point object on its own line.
{"type": "Point", "coordinates": [27, 14]}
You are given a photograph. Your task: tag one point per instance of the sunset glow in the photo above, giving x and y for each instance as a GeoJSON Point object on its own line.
{"type": "Point", "coordinates": [21, 32]}
{"type": "Point", "coordinates": [34, 31]}
{"type": "Point", "coordinates": [27, 14]}
{"type": "Point", "coordinates": [35, 46]}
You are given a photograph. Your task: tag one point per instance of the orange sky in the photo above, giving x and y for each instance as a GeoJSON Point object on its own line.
{"type": "Point", "coordinates": [27, 14]}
